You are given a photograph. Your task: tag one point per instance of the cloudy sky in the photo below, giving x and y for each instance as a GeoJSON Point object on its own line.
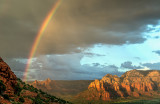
{"type": "Point", "coordinates": [85, 39]}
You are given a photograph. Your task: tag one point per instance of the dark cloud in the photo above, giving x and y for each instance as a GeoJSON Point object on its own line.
{"type": "Point", "coordinates": [157, 52]}
{"type": "Point", "coordinates": [77, 23]}
{"type": "Point", "coordinates": [20, 21]}
{"type": "Point", "coordinates": [154, 66]}
{"type": "Point", "coordinates": [129, 65]}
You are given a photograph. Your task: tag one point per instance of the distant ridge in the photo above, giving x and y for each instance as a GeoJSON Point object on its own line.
{"type": "Point", "coordinates": [62, 87]}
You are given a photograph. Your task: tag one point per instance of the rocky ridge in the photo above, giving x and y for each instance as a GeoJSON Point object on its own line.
{"type": "Point", "coordinates": [46, 83]}
{"type": "Point", "coordinates": [133, 83]}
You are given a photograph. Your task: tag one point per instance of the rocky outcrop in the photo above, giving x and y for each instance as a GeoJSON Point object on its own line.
{"type": "Point", "coordinates": [7, 77]}
{"type": "Point", "coordinates": [46, 83]}
{"type": "Point", "coordinates": [132, 83]}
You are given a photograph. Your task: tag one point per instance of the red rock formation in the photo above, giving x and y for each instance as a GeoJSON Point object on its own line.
{"type": "Point", "coordinates": [97, 84]}
{"type": "Point", "coordinates": [132, 83]}
{"type": "Point", "coordinates": [8, 78]}
{"type": "Point", "coordinates": [46, 83]}
{"type": "Point", "coordinates": [155, 76]}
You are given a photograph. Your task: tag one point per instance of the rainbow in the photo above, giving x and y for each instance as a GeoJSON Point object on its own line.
{"type": "Point", "coordinates": [39, 36]}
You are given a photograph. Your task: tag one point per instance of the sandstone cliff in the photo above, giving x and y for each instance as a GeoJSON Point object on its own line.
{"type": "Point", "coordinates": [132, 83]}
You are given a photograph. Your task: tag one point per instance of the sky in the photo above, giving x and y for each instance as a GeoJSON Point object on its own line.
{"type": "Point", "coordinates": [85, 39]}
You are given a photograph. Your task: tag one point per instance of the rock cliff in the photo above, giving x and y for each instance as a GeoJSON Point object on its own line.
{"type": "Point", "coordinates": [133, 83]}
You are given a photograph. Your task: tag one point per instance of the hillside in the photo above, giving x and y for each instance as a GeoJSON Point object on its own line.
{"type": "Point", "coordinates": [14, 91]}
{"type": "Point", "coordinates": [133, 84]}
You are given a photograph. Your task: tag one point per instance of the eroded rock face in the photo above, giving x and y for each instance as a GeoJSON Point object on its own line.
{"type": "Point", "coordinates": [8, 78]}
{"type": "Point", "coordinates": [155, 76]}
{"type": "Point", "coordinates": [132, 83]}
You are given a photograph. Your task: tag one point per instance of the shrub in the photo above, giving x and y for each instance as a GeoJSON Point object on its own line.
{"type": "Point", "coordinates": [5, 96]}
{"type": "Point", "coordinates": [41, 91]}
{"type": "Point", "coordinates": [11, 99]}
{"type": "Point", "coordinates": [30, 88]}
{"type": "Point", "coordinates": [19, 79]}
{"type": "Point", "coordinates": [24, 87]}
{"type": "Point", "coordinates": [2, 87]}
{"type": "Point", "coordinates": [16, 103]}
{"type": "Point", "coordinates": [38, 101]}
{"type": "Point", "coordinates": [21, 99]}
{"type": "Point", "coordinates": [53, 98]}
{"type": "Point", "coordinates": [18, 89]}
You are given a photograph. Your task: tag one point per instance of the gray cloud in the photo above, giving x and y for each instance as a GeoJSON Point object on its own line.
{"type": "Point", "coordinates": [68, 67]}
{"type": "Point", "coordinates": [157, 52]}
{"type": "Point", "coordinates": [88, 54]}
{"type": "Point", "coordinates": [96, 64]}
{"type": "Point", "coordinates": [154, 66]}
{"type": "Point", "coordinates": [77, 23]}
{"type": "Point", "coordinates": [128, 65]}
{"type": "Point", "coordinates": [16, 66]}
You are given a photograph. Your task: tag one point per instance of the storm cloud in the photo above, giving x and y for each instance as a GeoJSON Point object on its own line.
{"type": "Point", "coordinates": [77, 24]}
